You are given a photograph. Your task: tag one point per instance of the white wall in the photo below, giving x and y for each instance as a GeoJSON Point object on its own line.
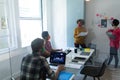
{"type": "Point", "coordinates": [16, 57]}
{"type": "Point", "coordinates": [62, 18]}
{"type": "Point", "coordinates": [56, 22]}
{"type": "Point", "coordinates": [75, 11]}
{"type": "Point", "coordinates": [107, 8]}
{"type": "Point", "coordinates": [59, 23]}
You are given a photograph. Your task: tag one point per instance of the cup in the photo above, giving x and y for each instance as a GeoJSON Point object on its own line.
{"type": "Point", "coordinates": [75, 50]}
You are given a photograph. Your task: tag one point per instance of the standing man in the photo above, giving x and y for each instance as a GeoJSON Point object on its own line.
{"type": "Point", "coordinates": [79, 40]}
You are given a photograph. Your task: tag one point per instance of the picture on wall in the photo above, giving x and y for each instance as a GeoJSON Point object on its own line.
{"type": "Point", "coordinates": [104, 23]}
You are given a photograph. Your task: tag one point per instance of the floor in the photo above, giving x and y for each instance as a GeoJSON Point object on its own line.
{"type": "Point", "coordinates": [109, 75]}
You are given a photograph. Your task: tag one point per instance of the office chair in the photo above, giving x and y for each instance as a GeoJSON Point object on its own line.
{"type": "Point", "coordinates": [94, 71]}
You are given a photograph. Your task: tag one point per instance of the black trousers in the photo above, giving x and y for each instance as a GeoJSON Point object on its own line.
{"type": "Point", "coordinates": [77, 45]}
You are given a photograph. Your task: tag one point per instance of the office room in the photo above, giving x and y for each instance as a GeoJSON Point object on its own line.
{"type": "Point", "coordinates": [20, 25]}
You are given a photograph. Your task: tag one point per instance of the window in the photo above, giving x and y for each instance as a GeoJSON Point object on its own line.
{"type": "Point", "coordinates": [7, 27]}
{"type": "Point", "coordinates": [30, 14]}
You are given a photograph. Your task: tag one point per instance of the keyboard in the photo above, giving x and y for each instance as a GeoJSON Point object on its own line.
{"type": "Point", "coordinates": [53, 64]}
{"type": "Point", "coordinates": [79, 58]}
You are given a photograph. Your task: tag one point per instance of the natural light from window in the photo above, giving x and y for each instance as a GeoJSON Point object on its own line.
{"type": "Point", "coordinates": [30, 20]}
{"type": "Point", "coordinates": [30, 30]}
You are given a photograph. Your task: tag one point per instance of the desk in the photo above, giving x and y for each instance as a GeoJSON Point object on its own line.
{"type": "Point", "coordinates": [72, 55]}
{"type": "Point", "coordinates": [76, 67]}
{"type": "Point", "coordinates": [73, 66]}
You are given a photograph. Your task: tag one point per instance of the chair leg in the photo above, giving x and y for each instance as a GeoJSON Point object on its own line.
{"type": "Point", "coordinates": [93, 78]}
{"type": "Point", "coordinates": [98, 78]}
{"type": "Point", "coordinates": [85, 77]}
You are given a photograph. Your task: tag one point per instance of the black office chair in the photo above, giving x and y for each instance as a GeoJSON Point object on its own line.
{"type": "Point", "coordinates": [94, 71]}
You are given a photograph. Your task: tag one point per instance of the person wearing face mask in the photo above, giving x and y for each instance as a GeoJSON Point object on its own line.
{"type": "Point", "coordinates": [114, 37]}
{"type": "Point", "coordinates": [79, 40]}
{"type": "Point", "coordinates": [48, 46]}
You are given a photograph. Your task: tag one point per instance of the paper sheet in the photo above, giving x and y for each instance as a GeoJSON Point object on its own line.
{"type": "Point", "coordinates": [82, 33]}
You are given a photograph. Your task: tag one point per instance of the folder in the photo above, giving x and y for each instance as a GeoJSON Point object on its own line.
{"type": "Point", "coordinates": [64, 75]}
{"type": "Point", "coordinates": [86, 49]}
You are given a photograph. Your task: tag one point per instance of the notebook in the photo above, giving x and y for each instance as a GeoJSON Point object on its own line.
{"type": "Point", "coordinates": [57, 58]}
{"type": "Point", "coordinates": [63, 75]}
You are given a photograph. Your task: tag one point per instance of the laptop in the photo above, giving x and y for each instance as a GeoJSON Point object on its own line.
{"type": "Point", "coordinates": [57, 58]}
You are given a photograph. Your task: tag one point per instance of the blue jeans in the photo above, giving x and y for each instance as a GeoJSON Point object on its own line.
{"type": "Point", "coordinates": [113, 53]}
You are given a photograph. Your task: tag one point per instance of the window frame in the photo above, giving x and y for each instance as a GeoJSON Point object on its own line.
{"type": "Point", "coordinates": [40, 18]}
{"type": "Point", "coordinates": [12, 20]}
{"type": "Point", "coordinates": [10, 27]}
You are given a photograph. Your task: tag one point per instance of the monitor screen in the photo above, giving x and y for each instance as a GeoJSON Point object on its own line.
{"type": "Point", "coordinates": [57, 57]}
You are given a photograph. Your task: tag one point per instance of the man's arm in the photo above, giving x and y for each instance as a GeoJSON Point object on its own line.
{"type": "Point", "coordinates": [51, 74]}
{"type": "Point", "coordinates": [60, 68]}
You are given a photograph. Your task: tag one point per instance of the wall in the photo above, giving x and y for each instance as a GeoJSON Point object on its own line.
{"type": "Point", "coordinates": [59, 23]}
{"type": "Point", "coordinates": [97, 35]}
{"type": "Point", "coordinates": [62, 16]}
{"type": "Point", "coordinates": [75, 11]}
{"type": "Point", "coordinates": [15, 58]}
{"type": "Point", "coordinates": [56, 22]}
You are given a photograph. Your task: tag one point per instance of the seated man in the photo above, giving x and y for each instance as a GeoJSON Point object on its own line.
{"type": "Point", "coordinates": [35, 67]}
{"type": "Point", "coordinates": [48, 47]}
